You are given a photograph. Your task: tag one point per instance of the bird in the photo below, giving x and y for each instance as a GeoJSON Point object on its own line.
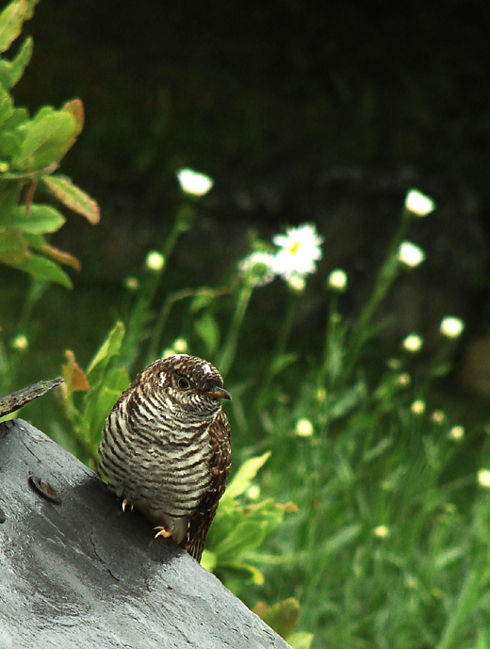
{"type": "Point", "coordinates": [166, 450]}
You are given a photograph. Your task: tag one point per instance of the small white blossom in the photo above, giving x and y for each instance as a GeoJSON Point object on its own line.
{"type": "Point", "coordinates": [154, 261]}
{"type": "Point", "coordinates": [180, 345]}
{"type": "Point", "coordinates": [404, 379]}
{"type": "Point", "coordinates": [304, 428]}
{"type": "Point", "coordinates": [131, 283]}
{"type": "Point", "coordinates": [19, 343]}
{"type": "Point", "coordinates": [296, 283]}
{"type": "Point", "coordinates": [412, 343]}
{"type": "Point", "coordinates": [483, 477]}
{"type": "Point", "coordinates": [193, 182]}
{"type": "Point", "coordinates": [451, 327]}
{"type": "Point", "coordinates": [456, 433]}
{"type": "Point", "coordinates": [321, 394]}
{"type": "Point", "coordinates": [394, 363]}
{"type": "Point", "coordinates": [337, 280]}
{"type": "Point", "coordinates": [418, 407]}
{"type": "Point", "coordinates": [381, 531]}
{"type": "Point", "coordinates": [299, 249]}
{"type": "Point", "coordinates": [253, 492]}
{"type": "Point", "coordinates": [410, 255]}
{"type": "Point", "coordinates": [438, 416]}
{"type": "Point", "coordinates": [258, 267]}
{"type": "Point", "coordinates": [418, 203]}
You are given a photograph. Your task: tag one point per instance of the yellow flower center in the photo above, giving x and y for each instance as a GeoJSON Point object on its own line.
{"type": "Point", "coordinates": [294, 248]}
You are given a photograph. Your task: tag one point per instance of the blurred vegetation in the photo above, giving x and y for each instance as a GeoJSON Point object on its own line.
{"type": "Point", "coordinates": [358, 510]}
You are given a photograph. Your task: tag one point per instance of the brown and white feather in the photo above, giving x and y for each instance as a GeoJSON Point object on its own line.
{"type": "Point", "coordinates": [166, 450]}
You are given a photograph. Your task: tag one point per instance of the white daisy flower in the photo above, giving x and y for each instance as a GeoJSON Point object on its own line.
{"type": "Point", "coordinates": [154, 261]}
{"type": "Point", "coordinates": [296, 283]}
{"type": "Point", "coordinates": [410, 255]}
{"type": "Point", "coordinates": [418, 407]}
{"type": "Point", "coordinates": [194, 182]}
{"type": "Point", "coordinates": [456, 433]}
{"type": "Point", "coordinates": [304, 428]}
{"type": "Point", "coordinates": [299, 249]}
{"type": "Point", "coordinates": [381, 531]}
{"type": "Point", "coordinates": [337, 280]}
{"type": "Point", "coordinates": [483, 477]}
{"type": "Point", "coordinates": [258, 266]}
{"type": "Point", "coordinates": [20, 343]}
{"type": "Point", "coordinates": [412, 343]}
{"type": "Point", "coordinates": [451, 327]}
{"type": "Point", "coordinates": [418, 203]}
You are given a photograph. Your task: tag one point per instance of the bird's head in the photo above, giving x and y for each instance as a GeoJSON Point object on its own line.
{"type": "Point", "coordinates": [187, 382]}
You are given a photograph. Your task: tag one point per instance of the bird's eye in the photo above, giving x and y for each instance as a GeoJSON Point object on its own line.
{"type": "Point", "coordinates": [183, 383]}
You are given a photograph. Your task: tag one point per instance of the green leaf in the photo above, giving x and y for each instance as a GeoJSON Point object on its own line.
{"type": "Point", "coordinates": [109, 348]}
{"type": "Point", "coordinates": [208, 560]}
{"type": "Point", "coordinates": [207, 329]}
{"type": "Point", "coordinates": [40, 220]}
{"type": "Point", "coordinates": [9, 197]}
{"type": "Point", "coordinates": [245, 474]}
{"type": "Point", "coordinates": [99, 403]}
{"type": "Point", "coordinates": [11, 20]}
{"type": "Point", "coordinates": [201, 301]}
{"type": "Point", "coordinates": [73, 197]}
{"type": "Point", "coordinates": [10, 143]}
{"type": "Point", "coordinates": [6, 105]}
{"type": "Point", "coordinates": [246, 534]}
{"type": "Point", "coordinates": [347, 401]}
{"type": "Point", "coordinates": [300, 640]}
{"type": "Point", "coordinates": [254, 574]}
{"type": "Point", "coordinates": [283, 617]}
{"type": "Point", "coordinates": [13, 248]}
{"type": "Point", "coordinates": [12, 71]}
{"type": "Point", "coordinates": [45, 269]}
{"type": "Point", "coordinates": [281, 362]}
{"type": "Point", "coordinates": [47, 138]}
{"type": "Point", "coordinates": [238, 530]}
{"type": "Point", "coordinates": [335, 543]}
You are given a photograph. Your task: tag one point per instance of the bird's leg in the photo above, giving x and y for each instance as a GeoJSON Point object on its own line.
{"type": "Point", "coordinates": [163, 532]}
{"type": "Point", "coordinates": [127, 503]}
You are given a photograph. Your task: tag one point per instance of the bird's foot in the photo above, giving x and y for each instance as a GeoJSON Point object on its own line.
{"type": "Point", "coordinates": [127, 503]}
{"type": "Point", "coordinates": [163, 532]}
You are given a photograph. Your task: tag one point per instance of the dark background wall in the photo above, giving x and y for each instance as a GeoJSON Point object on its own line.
{"type": "Point", "coordinates": [324, 112]}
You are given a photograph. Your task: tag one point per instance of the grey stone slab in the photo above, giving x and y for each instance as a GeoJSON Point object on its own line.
{"type": "Point", "coordinates": [77, 572]}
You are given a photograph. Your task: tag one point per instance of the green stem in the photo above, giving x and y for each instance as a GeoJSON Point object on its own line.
{"type": "Point", "coordinates": [330, 336]}
{"type": "Point", "coordinates": [279, 349]}
{"type": "Point", "coordinates": [225, 359]}
{"type": "Point", "coordinates": [140, 314]}
{"type": "Point", "coordinates": [384, 280]}
{"type": "Point", "coordinates": [155, 342]}
{"type": "Point", "coordinates": [465, 604]}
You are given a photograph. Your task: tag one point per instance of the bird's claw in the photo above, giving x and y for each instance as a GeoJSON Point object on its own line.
{"type": "Point", "coordinates": [163, 532]}
{"type": "Point", "coordinates": [127, 503]}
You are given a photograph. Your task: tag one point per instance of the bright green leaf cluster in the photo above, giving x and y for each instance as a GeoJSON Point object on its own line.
{"type": "Point", "coordinates": [30, 151]}
{"type": "Point", "coordinates": [102, 385]}
{"type": "Point", "coordinates": [239, 527]}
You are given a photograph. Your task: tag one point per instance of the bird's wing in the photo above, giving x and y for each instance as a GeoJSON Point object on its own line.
{"type": "Point", "coordinates": [219, 467]}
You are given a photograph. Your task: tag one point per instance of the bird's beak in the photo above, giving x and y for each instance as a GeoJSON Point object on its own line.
{"type": "Point", "coordinates": [218, 393]}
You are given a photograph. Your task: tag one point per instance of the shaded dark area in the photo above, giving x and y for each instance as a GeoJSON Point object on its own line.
{"type": "Point", "coordinates": [301, 112]}
{"type": "Point", "coordinates": [76, 572]}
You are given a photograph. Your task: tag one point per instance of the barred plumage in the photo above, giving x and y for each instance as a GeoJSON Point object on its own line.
{"type": "Point", "coordinates": [166, 447]}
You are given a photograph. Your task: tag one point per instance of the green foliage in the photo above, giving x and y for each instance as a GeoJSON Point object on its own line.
{"type": "Point", "coordinates": [284, 617]}
{"type": "Point", "coordinates": [101, 386]}
{"type": "Point", "coordinates": [383, 549]}
{"type": "Point", "coordinates": [30, 151]}
{"type": "Point", "coordinates": [241, 527]}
